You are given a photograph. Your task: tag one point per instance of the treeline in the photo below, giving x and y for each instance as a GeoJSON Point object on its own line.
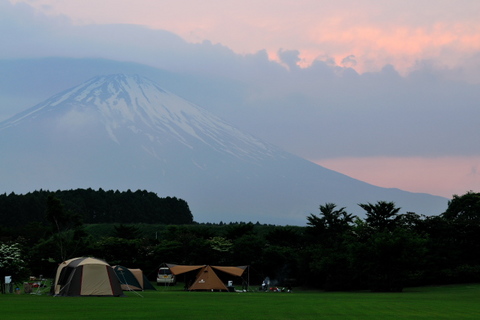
{"type": "Point", "coordinates": [385, 251]}
{"type": "Point", "coordinates": [95, 206]}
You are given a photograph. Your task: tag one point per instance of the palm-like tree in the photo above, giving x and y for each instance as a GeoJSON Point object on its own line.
{"type": "Point", "coordinates": [382, 215]}
{"type": "Point", "coordinates": [331, 220]}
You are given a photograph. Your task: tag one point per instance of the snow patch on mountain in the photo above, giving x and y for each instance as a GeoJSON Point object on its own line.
{"type": "Point", "coordinates": [141, 106]}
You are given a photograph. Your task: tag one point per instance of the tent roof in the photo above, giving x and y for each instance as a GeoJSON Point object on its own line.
{"type": "Point", "coordinates": [235, 271]}
{"type": "Point", "coordinates": [87, 260]}
{"type": "Point", "coordinates": [79, 261]}
{"type": "Point", "coordinates": [179, 269]}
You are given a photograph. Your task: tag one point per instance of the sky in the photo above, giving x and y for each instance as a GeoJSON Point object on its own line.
{"type": "Point", "coordinates": [387, 92]}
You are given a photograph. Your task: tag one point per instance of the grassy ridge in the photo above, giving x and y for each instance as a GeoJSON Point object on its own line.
{"type": "Point", "coordinates": [447, 302]}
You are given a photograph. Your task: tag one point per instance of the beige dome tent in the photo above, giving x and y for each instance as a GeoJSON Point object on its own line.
{"type": "Point", "coordinates": [206, 277]}
{"type": "Point", "coordinates": [86, 277]}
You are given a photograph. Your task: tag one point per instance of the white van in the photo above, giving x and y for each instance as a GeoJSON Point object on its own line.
{"type": "Point", "coordinates": [165, 277]}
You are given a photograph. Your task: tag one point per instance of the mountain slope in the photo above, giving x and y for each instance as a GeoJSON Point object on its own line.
{"type": "Point", "coordinates": [125, 132]}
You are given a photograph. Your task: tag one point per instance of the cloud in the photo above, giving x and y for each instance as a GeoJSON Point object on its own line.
{"type": "Point", "coordinates": [327, 109]}
{"type": "Point", "coordinates": [349, 61]}
{"type": "Point", "coordinates": [289, 58]}
{"type": "Point", "coordinates": [376, 33]}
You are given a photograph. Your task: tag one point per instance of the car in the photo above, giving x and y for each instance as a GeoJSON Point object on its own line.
{"type": "Point", "coordinates": [165, 277]}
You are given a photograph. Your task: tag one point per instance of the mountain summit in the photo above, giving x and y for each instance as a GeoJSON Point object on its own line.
{"type": "Point", "coordinates": [125, 132]}
{"type": "Point", "coordinates": [121, 104]}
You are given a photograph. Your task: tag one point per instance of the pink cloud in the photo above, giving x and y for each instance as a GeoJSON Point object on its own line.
{"type": "Point", "coordinates": [401, 45]}
{"type": "Point", "coordinates": [443, 176]}
{"type": "Point", "coordinates": [376, 33]}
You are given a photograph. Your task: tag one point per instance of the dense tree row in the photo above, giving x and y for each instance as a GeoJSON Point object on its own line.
{"type": "Point", "coordinates": [95, 206]}
{"type": "Point", "coordinates": [385, 251]}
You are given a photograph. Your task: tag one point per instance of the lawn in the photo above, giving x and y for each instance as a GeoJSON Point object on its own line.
{"type": "Point", "coordinates": [445, 302]}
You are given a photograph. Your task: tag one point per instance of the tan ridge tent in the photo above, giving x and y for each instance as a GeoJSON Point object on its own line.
{"type": "Point", "coordinates": [86, 277]}
{"type": "Point", "coordinates": [206, 277]}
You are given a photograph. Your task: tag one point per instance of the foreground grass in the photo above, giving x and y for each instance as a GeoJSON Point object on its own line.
{"type": "Point", "coordinates": [447, 302]}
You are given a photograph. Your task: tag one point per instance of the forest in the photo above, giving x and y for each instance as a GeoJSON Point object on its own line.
{"type": "Point", "coordinates": [96, 206]}
{"type": "Point", "coordinates": [336, 251]}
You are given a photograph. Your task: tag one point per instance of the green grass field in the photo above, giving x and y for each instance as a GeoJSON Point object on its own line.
{"type": "Point", "coordinates": [445, 302]}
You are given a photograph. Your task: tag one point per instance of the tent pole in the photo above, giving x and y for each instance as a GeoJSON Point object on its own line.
{"type": "Point", "coordinates": [248, 278]}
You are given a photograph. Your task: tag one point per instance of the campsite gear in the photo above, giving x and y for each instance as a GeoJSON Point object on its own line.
{"type": "Point", "coordinates": [132, 279]}
{"type": "Point", "coordinates": [206, 277]}
{"type": "Point", "coordinates": [86, 277]}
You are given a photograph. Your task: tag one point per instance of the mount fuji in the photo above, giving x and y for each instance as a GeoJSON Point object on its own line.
{"type": "Point", "coordinates": [125, 132]}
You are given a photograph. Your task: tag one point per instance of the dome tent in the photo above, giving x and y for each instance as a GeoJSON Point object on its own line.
{"type": "Point", "coordinates": [132, 279]}
{"type": "Point", "coordinates": [86, 277]}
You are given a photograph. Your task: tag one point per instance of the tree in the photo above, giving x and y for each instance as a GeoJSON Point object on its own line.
{"type": "Point", "coordinates": [235, 231]}
{"type": "Point", "coordinates": [60, 218]}
{"type": "Point", "coordinates": [67, 227]}
{"type": "Point", "coordinates": [11, 262]}
{"type": "Point", "coordinates": [221, 248]}
{"type": "Point", "coordinates": [247, 249]}
{"type": "Point", "coordinates": [96, 207]}
{"type": "Point", "coordinates": [463, 219]}
{"type": "Point", "coordinates": [331, 222]}
{"type": "Point", "coordinates": [327, 254]}
{"type": "Point", "coordinates": [190, 247]}
{"type": "Point", "coordinates": [386, 260]}
{"type": "Point", "coordinates": [119, 251]}
{"type": "Point", "coordinates": [390, 249]}
{"type": "Point", "coordinates": [285, 237]}
{"type": "Point", "coordinates": [126, 232]}
{"type": "Point", "coordinates": [382, 215]}
{"type": "Point", "coordinates": [465, 209]}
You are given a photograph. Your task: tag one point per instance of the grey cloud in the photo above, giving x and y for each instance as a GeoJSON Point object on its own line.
{"type": "Point", "coordinates": [289, 58]}
{"type": "Point", "coordinates": [349, 61]}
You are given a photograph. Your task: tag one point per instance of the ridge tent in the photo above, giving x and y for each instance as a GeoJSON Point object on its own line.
{"type": "Point", "coordinates": [86, 277]}
{"type": "Point", "coordinates": [132, 279]}
{"type": "Point", "coordinates": [206, 276]}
